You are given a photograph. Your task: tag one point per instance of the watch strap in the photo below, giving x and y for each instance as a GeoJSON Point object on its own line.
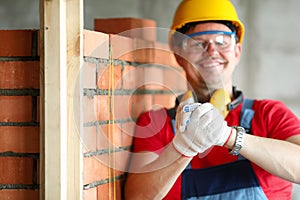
{"type": "Point", "coordinates": [239, 140]}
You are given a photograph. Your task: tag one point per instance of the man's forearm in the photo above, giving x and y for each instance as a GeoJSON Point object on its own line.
{"type": "Point", "coordinates": [154, 180]}
{"type": "Point", "coordinates": [281, 158]}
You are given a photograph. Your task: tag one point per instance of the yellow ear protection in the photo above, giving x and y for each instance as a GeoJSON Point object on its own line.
{"type": "Point", "coordinates": [222, 101]}
{"type": "Point", "coordinates": [187, 95]}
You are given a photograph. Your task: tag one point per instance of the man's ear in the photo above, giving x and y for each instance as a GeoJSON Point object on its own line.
{"type": "Point", "coordinates": [238, 53]}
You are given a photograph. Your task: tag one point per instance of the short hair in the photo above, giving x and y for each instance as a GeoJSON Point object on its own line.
{"type": "Point", "coordinates": [190, 25]}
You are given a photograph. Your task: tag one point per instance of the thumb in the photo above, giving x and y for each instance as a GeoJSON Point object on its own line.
{"type": "Point", "coordinates": [183, 117]}
{"type": "Point", "coordinates": [201, 110]}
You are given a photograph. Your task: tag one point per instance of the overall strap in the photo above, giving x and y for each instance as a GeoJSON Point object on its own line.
{"type": "Point", "coordinates": [247, 114]}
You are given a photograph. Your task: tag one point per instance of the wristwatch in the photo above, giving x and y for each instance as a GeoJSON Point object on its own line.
{"type": "Point", "coordinates": [239, 140]}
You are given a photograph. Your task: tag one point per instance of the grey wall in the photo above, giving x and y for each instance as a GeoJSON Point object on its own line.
{"type": "Point", "coordinates": [270, 65]}
{"type": "Point", "coordinates": [271, 57]}
{"type": "Point", "coordinates": [19, 14]}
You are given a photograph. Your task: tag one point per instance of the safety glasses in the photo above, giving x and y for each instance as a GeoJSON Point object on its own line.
{"type": "Point", "coordinates": [199, 42]}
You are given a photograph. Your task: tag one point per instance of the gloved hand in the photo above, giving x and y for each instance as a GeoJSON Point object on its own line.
{"type": "Point", "coordinates": [206, 128]}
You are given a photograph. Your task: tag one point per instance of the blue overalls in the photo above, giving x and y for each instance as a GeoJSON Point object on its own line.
{"type": "Point", "coordinates": [231, 181]}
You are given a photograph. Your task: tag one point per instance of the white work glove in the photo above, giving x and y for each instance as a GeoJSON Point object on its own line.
{"type": "Point", "coordinates": [205, 128]}
{"type": "Point", "coordinates": [183, 117]}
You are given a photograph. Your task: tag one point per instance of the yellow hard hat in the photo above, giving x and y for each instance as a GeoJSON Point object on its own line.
{"type": "Point", "coordinates": [206, 10]}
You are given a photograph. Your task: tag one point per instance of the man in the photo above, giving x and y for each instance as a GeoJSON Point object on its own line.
{"type": "Point", "coordinates": [204, 156]}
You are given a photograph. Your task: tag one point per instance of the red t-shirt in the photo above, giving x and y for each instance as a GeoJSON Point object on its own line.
{"type": "Point", "coordinates": [272, 119]}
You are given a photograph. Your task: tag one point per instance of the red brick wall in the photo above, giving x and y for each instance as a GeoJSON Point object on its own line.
{"type": "Point", "coordinates": [145, 75]}
{"type": "Point", "coordinates": [19, 118]}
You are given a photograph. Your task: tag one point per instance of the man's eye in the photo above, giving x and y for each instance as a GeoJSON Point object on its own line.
{"type": "Point", "coordinates": [198, 44]}
{"type": "Point", "coordinates": [219, 43]}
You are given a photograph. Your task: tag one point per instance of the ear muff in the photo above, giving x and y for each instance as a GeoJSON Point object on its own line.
{"type": "Point", "coordinates": [187, 95]}
{"type": "Point", "coordinates": [220, 98]}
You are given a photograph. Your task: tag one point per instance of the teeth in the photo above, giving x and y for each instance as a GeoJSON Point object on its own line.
{"type": "Point", "coordinates": [209, 62]}
{"type": "Point", "coordinates": [208, 65]}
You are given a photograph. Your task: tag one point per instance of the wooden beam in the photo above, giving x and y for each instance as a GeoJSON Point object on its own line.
{"type": "Point", "coordinates": [61, 30]}
{"type": "Point", "coordinates": [75, 108]}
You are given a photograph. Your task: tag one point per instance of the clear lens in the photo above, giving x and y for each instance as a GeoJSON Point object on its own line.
{"type": "Point", "coordinates": [223, 41]}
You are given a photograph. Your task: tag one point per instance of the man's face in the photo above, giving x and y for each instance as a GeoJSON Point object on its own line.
{"type": "Point", "coordinates": [209, 58]}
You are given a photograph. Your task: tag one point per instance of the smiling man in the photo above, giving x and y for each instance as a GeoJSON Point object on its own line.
{"type": "Point", "coordinates": [214, 144]}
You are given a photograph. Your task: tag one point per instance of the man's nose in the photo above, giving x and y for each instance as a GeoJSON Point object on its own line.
{"type": "Point", "coordinates": [210, 48]}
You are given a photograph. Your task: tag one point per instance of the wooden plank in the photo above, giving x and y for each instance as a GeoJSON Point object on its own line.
{"type": "Point", "coordinates": [61, 58]}
{"type": "Point", "coordinates": [75, 61]}
{"type": "Point", "coordinates": [53, 128]}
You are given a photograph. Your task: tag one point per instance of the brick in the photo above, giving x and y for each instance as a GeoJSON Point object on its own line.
{"type": "Point", "coordinates": [38, 109]}
{"type": "Point", "coordinates": [163, 55]}
{"type": "Point", "coordinates": [95, 44]}
{"type": "Point", "coordinates": [117, 71]}
{"type": "Point", "coordinates": [175, 79]}
{"type": "Point", "coordinates": [143, 51]}
{"type": "Point", "coordinates": [141, 103]}
{"type": "Point", "coordinates": [102, 138]}
{"type": "Point", "coordinates": [114, 140]}
{"type": "Point", "coordinates": [128, 129]}
{"type": "Point", "coordinates": [167, 101]}
{"type": "Point", "coordinates": [133, 77]}
{"type": "Point", "coordinates": [121, 161]}
{"type": "Point", "coordinates": [15, 170]}
{"type": "Point", "coordinates": [129, 27]}
{"type": "Point", "coordinates": [16, 75]}
{"type": "Point", "coordinates": [122, 107]}
{"type": "Point", "coordinates": [124, 51]}
{"type": "Point", "coordinates": [38, 174]}
{"type": "Point", "coordinates": [90, 194]}
{"type": "Point", "coordinates": [94, 170]}
{"type": "Point", "coordinates": [101, 103]}
{"type": "Point", "coordinates": [28, 139]}
{"type": "Point", "coordinates": [19, 194]}
{"type": "Point", "coordinates": [154, 79]}
{"type": "Point", "coordinates": [16, 42]}
{"type": "Point", "coordinates": [90, 105]}
{"type": "Point", "coordinates": [109, 136]}
{"type": "Point", "coordinates": [107, 191]}
{"type": "Point", "coordinates": [89, 75]}
{"type": "Point", "coordinates": [89, 139]}
{"type": "Point", "coordinates": [104, 78]}
{"type": "Point", "coordinates": [15, 108]}
{"type": "Point", "coordinates": [116, 135]}
{"type": "Point", "coordinates": [39, 43]}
